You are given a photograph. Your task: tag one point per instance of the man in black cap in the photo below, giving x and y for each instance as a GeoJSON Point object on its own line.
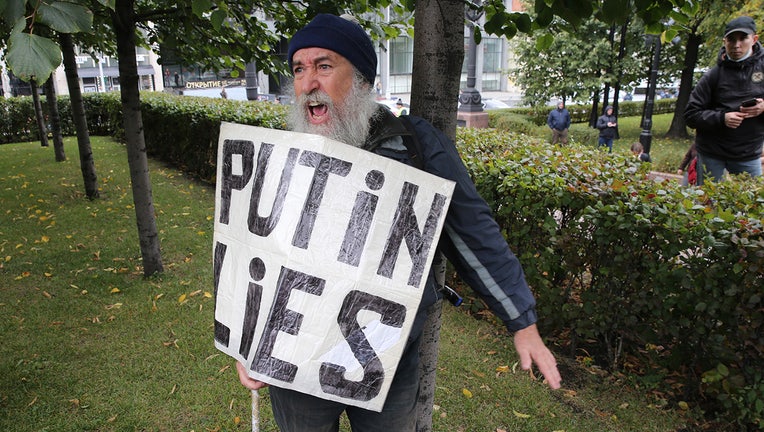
{"type": "Point", "coordinates": [726, 106]}
{"type": "Point", "coordinates": [334, 66]}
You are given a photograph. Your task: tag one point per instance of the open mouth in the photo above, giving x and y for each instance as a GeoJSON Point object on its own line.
{"type": "Point", "coordinates": [317, 110]}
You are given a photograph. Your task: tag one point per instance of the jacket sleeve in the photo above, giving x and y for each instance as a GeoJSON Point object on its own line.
{"type": "Point", "coordinates": [602, 122]}
{"type": "Point", "coordinates": [700, 112]}
{"type": "Point", "coordinates": [567, 119]}
{"type": "Point", "coordinates": [472, 240]}
{"type": "Point", "coordinates": [550, 120]}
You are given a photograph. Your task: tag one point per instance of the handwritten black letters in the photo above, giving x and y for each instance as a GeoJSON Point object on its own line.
{"type": "Point", "coordinates": [320, 257]}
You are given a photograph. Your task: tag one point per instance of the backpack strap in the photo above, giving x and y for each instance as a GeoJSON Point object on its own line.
{"type": "Point", "coordinates": [413, 146]}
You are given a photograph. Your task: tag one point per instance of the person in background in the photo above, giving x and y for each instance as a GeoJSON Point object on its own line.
{"type": "Point", "coordinates": [726, 106]}
{"type": "Point", "coordinates": [400, 109]}
{"type": "Point", "coordinates": [607, 124]}
{"type": "Point", "coordinates": [638, 150]}
{"type": "Point", "coordinates": [334, 64]}
{"type": "Point", "coordinates": [688, 168]}
{"type": "Point", "coordinates": [559, 122]}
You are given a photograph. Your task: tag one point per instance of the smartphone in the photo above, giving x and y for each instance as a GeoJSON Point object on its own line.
{"type": "Point", "coordinates": [749, 103]}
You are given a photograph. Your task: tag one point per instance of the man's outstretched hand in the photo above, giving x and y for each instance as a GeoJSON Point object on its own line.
{"type": "Point", "coordinates": [531, 349]}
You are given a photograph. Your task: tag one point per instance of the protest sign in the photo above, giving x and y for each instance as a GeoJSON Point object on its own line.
{"type": "Point", "coordinates": [321, 253]}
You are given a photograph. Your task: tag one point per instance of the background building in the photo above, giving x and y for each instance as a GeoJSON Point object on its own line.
{"type": "Point", "coordinates": [394, 73]}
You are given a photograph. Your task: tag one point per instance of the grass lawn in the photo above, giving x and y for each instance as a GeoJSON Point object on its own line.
{"type": "Point", "coordinates": [666, 153]}
{"type": "Point", "coordinates": [89, 344]}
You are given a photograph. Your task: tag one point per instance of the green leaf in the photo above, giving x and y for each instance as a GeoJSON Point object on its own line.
{"type": "Point", "coordinates": [615, 11]}
{"type": "Point", "coordinates": [544, 17]}
{"type": "Point", "coordinates": [217, 18]}
{"type": "Point", "coordinates": [111, 4]}
{"type": "Point", "coordinates": [199, 7]}
{"type": "Point", "coordinates": [723, 370]}
{"type": "Point", "coordinates": [495, 23]}
{"type": "Point", "coordinates": [12, 10]}
{"type": "Point", "coordinates": [544, 42]}
{"type": "Point", "coordinates": [522, 21]}
{"type": "Point", "coordinates": [66, 17]}
{"type": "Point", "coordinates": [510, 30]}
{"type": "Point", "coordinates": [30, 56]}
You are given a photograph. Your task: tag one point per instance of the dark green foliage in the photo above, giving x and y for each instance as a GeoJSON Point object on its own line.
{"type": "Point", "coordinates": [649, 270]}
{"type": "Point", "coordinates": [182, 131]}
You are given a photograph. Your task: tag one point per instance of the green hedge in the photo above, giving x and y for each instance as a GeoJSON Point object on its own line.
{"type": "Point", "coordinates": [635, 268]}
{"type": "Point", "coordinates": [649, 270]}
{"type": "Point", "coordinates": [580, 113]}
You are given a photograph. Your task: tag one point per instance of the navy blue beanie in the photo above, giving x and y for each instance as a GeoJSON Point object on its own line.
{"type": "Point", "coordinates": [342, 36]}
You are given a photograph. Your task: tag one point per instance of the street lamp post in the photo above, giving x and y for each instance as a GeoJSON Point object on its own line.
{"type": "Point", "coordinates": [251, 81]}
{"type": "Point", "coordinates": [646, 137]}
{"type": "Point", "coordinates": [470, 99]}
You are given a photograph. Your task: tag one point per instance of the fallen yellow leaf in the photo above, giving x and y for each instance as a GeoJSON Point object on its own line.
{"type": "Point", "coordinates": [466, 393]}
{"type": "Point", "coordinates": [182, 298]}
{"type": "Point", "coordinates": [683, 405]}
{"type": "Point", "coordinates": [520, 415]}
{"type": "Point", "coordinates": [207, 294]}
{"type": "Point", "coordinates": [502, 369]}
{"type": "Point", "coordinates": [114, 290]}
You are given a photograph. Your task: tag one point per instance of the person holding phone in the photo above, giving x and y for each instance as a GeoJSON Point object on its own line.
{"type": "Point", "coordinates": [726, 106]}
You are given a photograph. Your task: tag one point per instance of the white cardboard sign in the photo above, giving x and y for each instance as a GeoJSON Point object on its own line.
{"type": "Point", "coordinates": [321, 252]}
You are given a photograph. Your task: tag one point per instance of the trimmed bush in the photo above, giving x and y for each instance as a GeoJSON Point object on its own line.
{"type": "Point", "coordinates": [649, 270]}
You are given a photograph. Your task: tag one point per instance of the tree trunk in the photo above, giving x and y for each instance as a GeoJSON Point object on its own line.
{"type": "Point", "coordinates": [678, 128]}
{"type": "Point", "coordinates": [124, 26]}
{"type": "Point", "coordinates": [438, 59]}
{"type": "Point", "coordinates": [55, 120]}
{"type": "Point", "coordinates": [617, 89]}
{"type": "Point", "coordinates": [87, 165]}
{"type": "Point", "coordinates": [38, 113]}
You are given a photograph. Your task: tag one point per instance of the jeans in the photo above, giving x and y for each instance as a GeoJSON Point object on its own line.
{"type": "Point", "coordinates": [299, 412]}
{"type": "Point", "coordinates": [606, 142]}
{"type": "Point", "coordinates": [714, 168]}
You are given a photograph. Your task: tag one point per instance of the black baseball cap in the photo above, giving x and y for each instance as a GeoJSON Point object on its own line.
{"type": "Point", "coordinates": [743, 24]}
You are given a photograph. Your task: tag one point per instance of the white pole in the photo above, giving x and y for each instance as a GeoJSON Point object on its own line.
{"type": "Point", "coordinates": [101, 59]}
{"type": "Point", "coordinates": [255, 411]}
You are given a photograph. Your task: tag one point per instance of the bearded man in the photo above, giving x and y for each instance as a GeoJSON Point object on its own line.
{"type": "Point", "coordinates": [334, 66]}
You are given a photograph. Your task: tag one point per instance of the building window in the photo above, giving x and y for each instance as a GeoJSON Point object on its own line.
{"type": "Point", "coordinates": [401, 56]}
{"type": "Point", "coordinates": [491, 55]}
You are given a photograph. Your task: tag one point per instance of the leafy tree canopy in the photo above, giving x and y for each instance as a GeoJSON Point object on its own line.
{"type": "Point", "coordinates": [218, 34]}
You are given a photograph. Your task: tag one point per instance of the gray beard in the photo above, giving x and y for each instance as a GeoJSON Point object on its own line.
{"type": "Point", "coordinates": [349, 120]}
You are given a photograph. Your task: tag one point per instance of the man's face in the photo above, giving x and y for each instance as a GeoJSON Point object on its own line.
{"type": "Point", "coordinates": [738, 44]}
{"type": "Point", "coordinates": [331, 98]}
{"type": "Point", "coordinates": [560, 105]}
{"type": "Point", "coordinates": [319, 70]}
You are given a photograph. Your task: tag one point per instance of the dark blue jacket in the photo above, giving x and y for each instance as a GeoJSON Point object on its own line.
{"type": "Point", "coordinates": [558, 119]}
{"type": "Point", "coordinates": [471, 238]}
